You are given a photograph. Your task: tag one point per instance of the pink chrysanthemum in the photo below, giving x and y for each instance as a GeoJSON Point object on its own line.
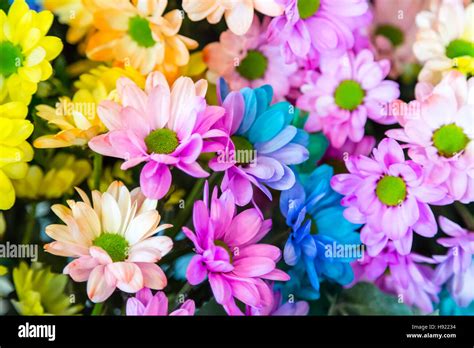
{"type": "Point", "coordinates": [440, 135]}
{"type": "Point", "coordinates": [349, 90]}
{"type": "Point", "coordinates": [388, 194]}
{"type": "Point", "coordinates": [309, 29]}
{"type": "Point", "coordinates": [111, 241]}
{"type": "Point", "coordinates": [162, 127]}
{"type": "Point", "coordinates": [249, 61]}
{"type": "Point", "coordinates": [145, 303]}
{"type": "Point", "coordinates": [406, 276]}
{"type": "Point", "coordinates": [228, 253]}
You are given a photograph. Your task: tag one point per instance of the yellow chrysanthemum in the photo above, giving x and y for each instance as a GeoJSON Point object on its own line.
{"type": "Point", "coordinates": [3, 270]}
{"type": "Point", "coordinates": [137, 33]}
{"type": "Point", "coordinates": [445, 40]}
{"type": "Point", "coordinates": [41, 292]}
{"type": "Point", "coordinates": [75, 13]}
{"type": "Point", "coordinates": [65, 173]}
{"type": "Point", "coordinates": [77, 118]}
{"type": "Point", "coordinates": [25, 51]}
{"type": "Point", "coordinates": [14, 150]}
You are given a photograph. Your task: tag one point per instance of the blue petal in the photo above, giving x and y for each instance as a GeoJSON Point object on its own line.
{"type": "Point", "coordinates": [280, 140]}
{"type": "Point", "coordinates": [250, 110]}
{"type": "Point", "coordinates": [266, 127]}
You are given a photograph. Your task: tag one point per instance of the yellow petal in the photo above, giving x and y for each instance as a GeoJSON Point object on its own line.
{"type": "Point", "coordinates": [7, 192]}
{"type": "Point", "coordinates": [30, 40]}
{"type": "Point", "coordinates": [13, 110]}
{"type": "Point", "coordinates": [52, 45]}
{"type": "Point", "coordinates": [35, 57]}
{"type": "Point", "coordinates": [44, 19]}
{"type": "Point", "coordinates": [16, 171]}
{"type": "Point", "coordinates": [30, 73]}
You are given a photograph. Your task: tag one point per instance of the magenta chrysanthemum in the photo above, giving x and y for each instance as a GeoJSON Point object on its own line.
{"type": "Point", "coordinates": [349, 90]}
{"type": "Point", "coordinates": [440, 134]}
{"type": "Point", "coordinates": [387, 193]}
{"type": "Point", "coordinates": [228, 255]}
{"type": "Point", "coordinates": [162, 127]}
{"type": "Point", "coordinates": [310, 29]}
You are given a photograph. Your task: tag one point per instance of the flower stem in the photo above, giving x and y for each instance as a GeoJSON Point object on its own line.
{"type": "Point", "coordinates": [98, 307]}
{"type": "Point", "coordinates": [30, 224]}
{"type": "Point", "coordinates": [97, 170]}
{"type": "Point", "coordinates": [465, 214]}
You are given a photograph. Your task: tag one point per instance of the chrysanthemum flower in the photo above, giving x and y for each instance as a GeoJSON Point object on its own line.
{"type": "Point", "coordinates": [394, 32]}
{"type": "Point", "coordinates": [160, 127]}
{"type": "Point", "coordinates": [112, 241]}
{"type": "Point", "coordinates": [406, 276]}
{"type": "Point", "coordinates": [249, 61]}
{"type": "Point", "coordinates": [66, 171]}
{"type": "Point", "coordinates": [389, 195]}
{"type": "Point", "coordinates": [349, 90]}
{"type": "Point", "coordinates": [313, 213]}
{"type": "Point", "coordinates": [263, 143]}
{"type": "Point", "coordinates": [457, 266]}
{"type": "Point", "coordinates": [238, 14]}
{"type": "Point", "coordinates": [227, 253]}
{"type": "Point", "coordinates": [145, 303]}
{"type": "Point", "coordinates": [139, 34]}
{"type": "Point", "coordinates": [445, 40]}
{"type": "Point", "coordinates": [25, 51]}
{"type": "Point", "coordinates": [77, 118]}
{"type": "Point", "coordinates": [440, 135]}
{"type": "Point", "coordinates": [311, 28]}
{"type": "Point", "coordinates": [41, 292]}
{"type": "Point", "coordinates": [15, 151]}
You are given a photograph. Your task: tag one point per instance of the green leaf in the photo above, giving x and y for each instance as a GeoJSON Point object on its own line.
{"type": "Point", "coordinates": [367, 299]}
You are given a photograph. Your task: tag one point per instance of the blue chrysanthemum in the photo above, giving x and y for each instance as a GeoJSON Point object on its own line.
{"type": "Point", "coordinates": [321, 239]}
{"type": "Point", "coordinates": [263, 142]}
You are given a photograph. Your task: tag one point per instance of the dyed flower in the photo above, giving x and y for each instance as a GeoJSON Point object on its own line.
{"type": "Point", "coordinates": [139, 34]}
{"type": "Point", "coordinates": [349, 90]}
{"type": "Point", "coordinates": [80, 24]}
{"type": "Point", "coordinates": [263, 143]}
{"type": "Point", "coordinates": [277, 308]}
{"type": "Point", "coordinates": [402, 275]}
{"type": "Point", "coordinates": [15, 151]}
{"type": "Point", "coordinates": [445, 40]}
{"type": "Point", "coordinates": [238, 14]}
{"type": "Point", "coordinates": [447, 305]}
{"type": "Point", "coordinates": [394, 32]}
{"type": "Point", "coordinates": [312, 28]}
{"type": "Point", "coordinates": [41, 292]}
{"type": "Point", "coordinates": [160, 127]}
{"type": "Point", "coordinates": [66, 172]}
{"type": "Point", "coordinates": [439, 135]}
{"type": "Point", "coordinates": [229, 256]}
{"type": "Point", "coordinates": [145, 303]}
{"type": "Point", "coordinates": [25, 51]}
{"type": "Point", "coordinates": [249, 61]}
{"type": "Point", "coordinates": [318, 228]}
{"type": "Point", "coordinates": [456, 268]}
{"type": "Point", "coordinates": [111, 241]}
{"type": "Point", "coordinates": [77, 118]}
{"type": "Point", "coordinates": [336, 157]}
{"type": "Point", "coordinates": [388, 194]}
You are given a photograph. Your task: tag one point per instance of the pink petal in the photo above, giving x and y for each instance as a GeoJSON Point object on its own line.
{"type": "Point", "coordinates": [128, 275]}
{"type": "Point", "coordinates": [101, 284]}
{"type": "Point", "coordinates": [153, 275]}
{"type": "Point", "coordinates": [196, 271]}
{"type": "Point", "coordinates": [155, 180]}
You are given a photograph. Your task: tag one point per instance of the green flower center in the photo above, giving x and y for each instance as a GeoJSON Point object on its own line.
{"type": "Point", "coordinates": [460, 48]}
{"type": "Point", "coordinates": [450, 140]}
{"type": "Point", "coordinates": [349, 95]}
{"type": "Point", "coordinates": [139, 30]}
{"type": "Point", "coordinates": [391, 190]}
{"type": "Point", "coordinates": [307, 8]}
{"type": "Point", "coordinates": [11, 58]}
{"type": "Point", "coordinates": [162, 141]}
{"type": "Point", "coordinates": [114, 244]}
{"type": "Point", "coordinates": [226, 247]}
{"type": "Point", "coordinates": [253, 66]}
{"type": "Point", "coordinates": [392, 33]}
{"type": "Point", "coordinates": [244, 151]}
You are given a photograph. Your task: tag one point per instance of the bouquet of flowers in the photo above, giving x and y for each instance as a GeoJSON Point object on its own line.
{"type": "Point", "coordinates": [236, 157]}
